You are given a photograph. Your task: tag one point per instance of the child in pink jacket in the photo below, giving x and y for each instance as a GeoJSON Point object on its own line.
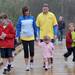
{"type": "Point", "coordinates": [47, 53]}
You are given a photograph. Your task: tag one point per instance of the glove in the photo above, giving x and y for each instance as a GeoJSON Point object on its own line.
{"type": "Point", "coordinates": [3, 35]}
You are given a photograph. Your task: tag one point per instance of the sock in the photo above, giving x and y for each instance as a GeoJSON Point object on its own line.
{"type": "Point", "coordinates": [27, 63]}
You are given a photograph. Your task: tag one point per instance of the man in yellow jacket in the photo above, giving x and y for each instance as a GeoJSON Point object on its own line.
{"type": "Point", "coordinates": [47, 23]}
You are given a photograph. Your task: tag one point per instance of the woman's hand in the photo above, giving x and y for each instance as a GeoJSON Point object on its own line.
{"type": "Point", "coordinates": [17, 39]}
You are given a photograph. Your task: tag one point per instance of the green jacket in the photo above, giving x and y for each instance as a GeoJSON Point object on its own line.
{"type": "Point", "coordinates": [73, 38]}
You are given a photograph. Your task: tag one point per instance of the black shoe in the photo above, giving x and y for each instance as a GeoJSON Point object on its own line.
{"type": "Point", "coordinates": [73, 60]}
{"type": "Point", "coordinates": [31, 61]}
{"type": "Point", "coordinates": [43, 65]}
{"type": "Point", "coordinates": [27, 69]}
{"type": "Point", "coordinates": [46, 69]}
{"type": "Point", "coordinates": [9, 68]}
{"type": "Point", "coordinates": [5, 70]}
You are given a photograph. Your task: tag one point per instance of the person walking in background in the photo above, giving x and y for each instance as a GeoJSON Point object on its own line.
{"type": "Point", "coordinates": [61, 28]}
{"type": "Point", "coordinates": [73, 41]}
{"type": "Point", "coordinates": [48, 49]}
{"type": "Point", "coordinates": [47, 23]}
{"type": "Point", "coordinates": [27, 31]}
{"type": "Point", "coordinates": [70, 45]}
{"type": "Point", "coordinates": [7, 35]}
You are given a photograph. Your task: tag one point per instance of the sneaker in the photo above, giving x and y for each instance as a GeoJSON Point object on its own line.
{"type": "Point", "coordinates": [12, 66]}
{"type": "Point", "coordinates": [27, 68]}
{"type": "Point", "coordinates": [31, 65]}
{"type": "Point", "coordinates": [5, 71]}
{"type": "Point", "coordinates": [73, 60]}
{"type": "Point", "coordinates": [43, 65]}
{"type": "Point", "coordinates": [46, 69]}
{"type": "Point", "coordinates": [9, 68]}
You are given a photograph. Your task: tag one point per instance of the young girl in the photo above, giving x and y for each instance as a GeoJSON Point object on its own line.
{"type": "Point", "coordinates": [7, 35]}
{"type": "Point", "coordinates": [73, 41]}
{"type": "Point", "coordinates": [48, 48]}
{"type": "Point", "coordinates": [69, 42]}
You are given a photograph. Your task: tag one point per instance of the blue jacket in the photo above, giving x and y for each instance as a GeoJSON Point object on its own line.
{"type": "Point", "coordinates": [19, 25]}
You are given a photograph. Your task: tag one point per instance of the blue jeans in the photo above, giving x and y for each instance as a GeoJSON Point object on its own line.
{"type": "Point", "coordinates": [61, 35]}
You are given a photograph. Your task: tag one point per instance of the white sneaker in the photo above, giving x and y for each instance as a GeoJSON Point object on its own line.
{"type": "Point", "coordinates": [46, 68]}
{"type": "Point", "coordinates": [27, 68]}
{"type": "Point", "coordinates": [12, 66]}
{"type": "Point", "coordinates": [31, 65]}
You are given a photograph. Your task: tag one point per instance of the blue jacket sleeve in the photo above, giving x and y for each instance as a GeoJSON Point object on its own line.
{"type": "Point", "coordinates": [35, 28]}
{"type": "Point", "coordinates": [55, 28]}
{"type": "Point", "coordinates": [18, 28]}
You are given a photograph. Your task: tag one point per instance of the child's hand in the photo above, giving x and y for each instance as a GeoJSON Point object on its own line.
{"type": "Point", "coordinates": [37, 39]}
{"type": "Point", "coordinates": [74, 41]}
{"type": "Point", "coordinates": [3, 35]}
{"type": "Point", "coordinates": [37, 43]}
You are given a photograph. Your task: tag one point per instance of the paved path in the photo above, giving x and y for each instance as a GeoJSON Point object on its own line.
{"type": "Point", "coordinates": [59, 66]}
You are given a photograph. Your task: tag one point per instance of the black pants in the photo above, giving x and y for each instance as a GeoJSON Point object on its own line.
{"type": "Point", "coordinates": [74, 54]}
{"type": "Point", "coordinates": [28, 48]}
{"type": "Point", "coordinates": [69, 52]}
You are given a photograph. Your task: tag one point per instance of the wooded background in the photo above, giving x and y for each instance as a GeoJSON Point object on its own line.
{"type": "Point", "coordinates": [13, 8]}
